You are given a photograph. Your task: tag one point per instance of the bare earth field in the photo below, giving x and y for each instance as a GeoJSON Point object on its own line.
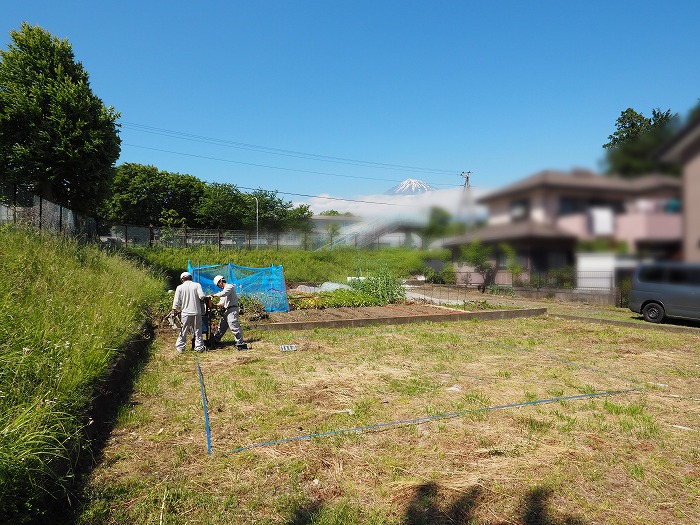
{"type": "Point", "coordinates": [541, 420]}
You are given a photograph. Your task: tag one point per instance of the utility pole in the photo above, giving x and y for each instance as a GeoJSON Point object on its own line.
{"type": "Point", "coordinates": [467, 200]}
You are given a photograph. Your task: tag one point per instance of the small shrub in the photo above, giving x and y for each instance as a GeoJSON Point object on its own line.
{"type": "Point", "coordinates": [624, 298]}
{"type": "Point", "coordinates": [252, 308]}
{"type": "Point", "coordinates": [383, 285]}
{"type": "Point", "coordinates": [335, 299]}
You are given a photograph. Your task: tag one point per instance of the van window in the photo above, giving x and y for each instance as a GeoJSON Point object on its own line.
{"type": "Point", "coordinates": [683, 276]}
{"type": "Point", "coordinates": [651, 274]}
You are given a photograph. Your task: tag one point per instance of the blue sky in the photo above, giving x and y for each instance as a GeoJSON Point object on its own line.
{"type": "Point", "coordinates": [281, 95]}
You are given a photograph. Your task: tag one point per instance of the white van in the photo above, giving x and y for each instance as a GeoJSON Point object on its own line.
{"type": "Point", "coordinates": [666, 289]}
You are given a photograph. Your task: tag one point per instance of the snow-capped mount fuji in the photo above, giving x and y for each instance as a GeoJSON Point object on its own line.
{"type": "Point", "coordinates": [410, 187]}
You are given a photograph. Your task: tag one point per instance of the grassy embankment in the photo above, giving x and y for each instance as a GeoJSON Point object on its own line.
{"type": "Point", "coordinates": [66, 313]}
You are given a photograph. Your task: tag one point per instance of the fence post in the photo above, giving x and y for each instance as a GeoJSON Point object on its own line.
{"type": "Point", "coordinates": [60, 218]}
{"type": "Point", "coordinates": [41, 203]}
{"type": "Point", "coordinates": [126, 236]}
{"type": "Point", "coordinates": [218, 240]}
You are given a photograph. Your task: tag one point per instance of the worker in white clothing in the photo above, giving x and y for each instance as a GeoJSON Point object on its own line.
{"type": "Point", "coordinates": [229, 303]}
{"type": "Point", "coordinates": [188, 301]}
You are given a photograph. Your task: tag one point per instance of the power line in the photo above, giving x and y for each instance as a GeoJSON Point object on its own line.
{"type": "Point", "coordinates": [289, 169]}
{"type": "Point", "coordinates": [332, 198]}
{"type": "Point", "coordinates": [268, 166]}
{"type": "Point", "coordinates": [277, 151]}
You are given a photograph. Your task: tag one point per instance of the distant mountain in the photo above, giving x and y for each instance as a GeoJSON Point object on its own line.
{"type": "Point", "coordinates": [410, 187]}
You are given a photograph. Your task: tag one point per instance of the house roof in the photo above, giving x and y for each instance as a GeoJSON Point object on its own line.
{"type": "Point", "coordinates": [687, 139]}
{"type": "Point", "coordinates": [584, 180]}
{"type": "Point", "coordinates": [513, 231]}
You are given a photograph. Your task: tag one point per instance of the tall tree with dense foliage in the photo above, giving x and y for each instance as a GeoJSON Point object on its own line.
{"type": "Point", "coordinates": [631, 149]}
{"type": "Point", "coordinates": [57, 138]}
{"type": "Point", "coordinates": [275, 214]}
{"type": "Point", "coordinates": [299, 218]}
{"type": "Point", "coordinates": [223, 206]}
{"type": "Point", "coordinates": [143, 195]}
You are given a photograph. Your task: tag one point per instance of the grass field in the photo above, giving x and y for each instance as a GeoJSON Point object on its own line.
{"type": "Point", "coordinates": [496, 422]}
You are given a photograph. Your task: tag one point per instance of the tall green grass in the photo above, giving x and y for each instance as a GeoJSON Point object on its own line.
{"type": "Point", "coordinates": [66, 311]}
{"type": "Point", "coordinates": [299, 265]}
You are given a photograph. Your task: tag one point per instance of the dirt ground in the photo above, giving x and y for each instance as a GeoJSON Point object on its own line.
{"type": "Point", "coordinates": [467, 300]}
{"type": "Point", "coordinates": [368, 312]}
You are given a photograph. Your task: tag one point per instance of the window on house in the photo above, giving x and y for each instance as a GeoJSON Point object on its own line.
{"type": "Point", "coordinates": [556, 260]}
{"type": "Point", "coordinates": [502, 261]}
{"type": "Point", "coordinates": [569, 205]}
{"type": "Point", "coordinates": [519, 210]}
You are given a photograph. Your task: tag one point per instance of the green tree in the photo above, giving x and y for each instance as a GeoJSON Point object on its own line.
{"type": "Point", "coordinates": [511, 256]}
{"type": "Point", "coordinates": [332, 229]}
{"type": "Point", "coordinates": [275, 214]}
{"type": "Point", "coordinates": [335, 213]}
{"type": "Point", "coordinates": [223, 206]}
{"type": "Point", "coordinates": [299, 219]}
{"type": "Point", "coordinates": [184, 193]}
{"type": "Point", "coordinates": [438, 225]}
{"type": "Point", "coordinates": [57, 138]}
{"type": "Point", "coordinates": [632, 147]}
{"type": "Point", "coordinates": [135, 195]}
{"type": "Point", "coordinates": [480, 256]}
{"type": "Point", "coordinates": [140, 195]}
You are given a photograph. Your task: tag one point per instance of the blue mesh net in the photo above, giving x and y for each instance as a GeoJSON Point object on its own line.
{"type": "Point", "coordinates": [266, 285]}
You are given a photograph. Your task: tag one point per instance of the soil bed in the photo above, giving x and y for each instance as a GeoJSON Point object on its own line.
{"type": "Point", "coordinates": [367, 312]}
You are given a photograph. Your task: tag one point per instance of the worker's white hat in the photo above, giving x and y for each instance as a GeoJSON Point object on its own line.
{"type": "Point", "coordinates": [217, 279]}
{"type": "Point", "coordinates": [185, 275]}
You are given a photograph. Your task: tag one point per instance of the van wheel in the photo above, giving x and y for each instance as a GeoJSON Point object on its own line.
{"type": "Point", "coordinates": [653, 312]}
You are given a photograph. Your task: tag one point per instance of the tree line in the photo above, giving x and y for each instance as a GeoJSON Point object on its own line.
{"type": "Point", "coordinates": [145, 195]}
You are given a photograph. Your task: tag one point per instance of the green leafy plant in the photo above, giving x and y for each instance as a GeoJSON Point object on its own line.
{"type": "Point", "coordinates": [383, 285]}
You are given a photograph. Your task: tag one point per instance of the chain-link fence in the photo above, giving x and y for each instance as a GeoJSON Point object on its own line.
{"type": "Point", "coordinates": [19, 206]}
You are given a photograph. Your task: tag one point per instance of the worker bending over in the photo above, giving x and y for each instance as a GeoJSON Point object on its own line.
{"type": "Point", "coordinates": [229, 302]}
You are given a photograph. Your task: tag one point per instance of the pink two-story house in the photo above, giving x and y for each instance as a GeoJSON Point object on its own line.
{"type": "Point", "coordinates": [544, 216]}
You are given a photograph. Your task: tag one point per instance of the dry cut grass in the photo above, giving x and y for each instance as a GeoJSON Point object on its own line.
{"type": "Point", "coordinates": [439, 439]}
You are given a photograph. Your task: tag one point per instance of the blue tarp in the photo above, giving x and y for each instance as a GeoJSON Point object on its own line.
{"type": "Point", "coordinates": [265, 285]}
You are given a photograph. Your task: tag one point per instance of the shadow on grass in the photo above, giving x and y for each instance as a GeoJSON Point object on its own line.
{"type": "Point", "coordinates": [109, 396]}
{"type": "Point", "coordinates": [671, 321]}
{"type": "Point", "coordinates": [429, 506]}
